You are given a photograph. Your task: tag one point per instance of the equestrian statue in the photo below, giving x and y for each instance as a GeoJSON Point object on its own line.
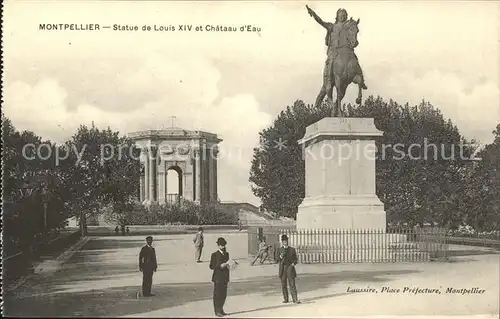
{"type": "Point", "coordinates": [341, 67]}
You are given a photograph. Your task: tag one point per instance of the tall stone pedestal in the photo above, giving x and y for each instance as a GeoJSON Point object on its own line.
{"type": "Point", "coordinates": [340, 193]}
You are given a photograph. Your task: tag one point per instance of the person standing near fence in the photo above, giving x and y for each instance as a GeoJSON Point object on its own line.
{"type": "Point", "coordinates": [198, 244]}
{"type": "Point", "coordinates": [147, 265]}
{"type": "Point", "coordinates": [287, 258]}
{"type": "Point", "coordinates": [263, 251]}
{"type": "Point", "coordinates": [220, 277]}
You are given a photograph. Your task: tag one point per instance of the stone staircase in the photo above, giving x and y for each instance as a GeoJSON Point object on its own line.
{"type": "Point", "coordinates": [408, 252]}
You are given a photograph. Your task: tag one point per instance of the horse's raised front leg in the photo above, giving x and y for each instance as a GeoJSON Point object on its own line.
{"type": "Point", "coordinates": [360, 81]}
{"type": "Point", "coordinates": [360, 94]}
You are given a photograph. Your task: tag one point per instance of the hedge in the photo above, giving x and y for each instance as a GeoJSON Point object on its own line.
{"type": "Point", "coordinates": [185, 212]}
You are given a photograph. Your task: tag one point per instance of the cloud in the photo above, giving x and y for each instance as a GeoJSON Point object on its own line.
{"type": "Point", "coordinates": [33, 107]}
{"type": "Point", "coordinates": [458, 99]}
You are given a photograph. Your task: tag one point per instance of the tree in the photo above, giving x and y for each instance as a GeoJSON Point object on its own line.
{"type": "Point", "coordinates": [483, 188]}
{"type": "Point", "coordinates": [11, 174]}
{"type": "Point", "coordinates": [106, 173]}
{"type": "Point", "coordinates": [31, 182]}
{"type": "Point", "coordinates": [411, 189]}
{"type": "Point", "coordinates": [277, 173]}
{"type": "Point", "coordinates": [20, 159]}
{"type": "Point", "coordinates": [93, 169]}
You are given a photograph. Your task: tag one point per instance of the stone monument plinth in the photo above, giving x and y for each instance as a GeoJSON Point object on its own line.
{"type": "Point", "coordinates": [339, 156]}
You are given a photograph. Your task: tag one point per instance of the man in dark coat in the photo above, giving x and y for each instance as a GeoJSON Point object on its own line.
{"type": "Point", "coordinates": [220, 276]}
{"type": "Point", "coordinates": [148, 265]}
{"type": "Point", "coordinates": [287, 257]}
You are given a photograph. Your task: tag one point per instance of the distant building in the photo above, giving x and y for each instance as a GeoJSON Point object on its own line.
{"type": "Point", "coordinates": [191, 155]}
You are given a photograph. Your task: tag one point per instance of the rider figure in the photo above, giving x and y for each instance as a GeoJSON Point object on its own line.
{"type": "Point", "coordinates": [333, 32]}
{"type": "Point", "coordinates": [332, 38]}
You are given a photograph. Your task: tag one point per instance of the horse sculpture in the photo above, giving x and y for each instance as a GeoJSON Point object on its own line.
{"type": "Point", "coordinates": [345, 69]}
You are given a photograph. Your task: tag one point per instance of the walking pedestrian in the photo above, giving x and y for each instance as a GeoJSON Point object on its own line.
{"type": "Point", "coordinates": [147, 265]}
{"type": "Point", "coordinates": [198, 244]}
{"type": "Point", "coordinates": [220, 277]}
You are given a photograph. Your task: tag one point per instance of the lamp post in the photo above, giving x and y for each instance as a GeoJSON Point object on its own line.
{"type": "Point", "coordinates": [43, 180]}
{"type": "Point", "coordinates": [37, 182]}
{"type": "Point", "coordinates": [26, 189]}
{"type": "Point", "coordinates": [26, 240]}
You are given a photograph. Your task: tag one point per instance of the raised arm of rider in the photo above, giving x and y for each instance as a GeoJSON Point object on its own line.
{"type": "Point", "coordinates": [313, 14]}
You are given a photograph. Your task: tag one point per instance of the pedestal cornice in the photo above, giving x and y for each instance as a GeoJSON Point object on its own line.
{"type": "Point", "coordinates": [344, 128]}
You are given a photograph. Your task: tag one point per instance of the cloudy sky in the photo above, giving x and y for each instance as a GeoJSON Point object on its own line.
{"type": "Point", "coordinates": [234, 84]}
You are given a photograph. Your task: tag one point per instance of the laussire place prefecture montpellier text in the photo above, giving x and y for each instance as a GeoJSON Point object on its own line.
{"type": "Point", "coordinates": [147, 27]}
{"type": "Point", "coordinates": [419, 290]}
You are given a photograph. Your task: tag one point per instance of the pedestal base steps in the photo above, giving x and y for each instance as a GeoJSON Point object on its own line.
{"type": "Point", "coordinates": [342, 212]}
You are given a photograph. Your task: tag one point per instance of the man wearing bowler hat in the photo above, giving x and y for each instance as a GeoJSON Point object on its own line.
{"type": "Point", "coordinates": [148, 265]}
{"type": "Point", "coordinates": [220, 276]}
{"type": "Point", "coordinates": [287, 258]}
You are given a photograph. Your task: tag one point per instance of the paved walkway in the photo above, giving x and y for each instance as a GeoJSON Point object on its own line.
{"type": "Point", "coordinates": [48, 263]}
{"type": "Point", "coordinates": [102, 280]}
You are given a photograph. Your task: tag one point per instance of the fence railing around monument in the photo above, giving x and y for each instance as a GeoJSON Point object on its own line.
{"type": "Point", "coordinates": [367, 245]}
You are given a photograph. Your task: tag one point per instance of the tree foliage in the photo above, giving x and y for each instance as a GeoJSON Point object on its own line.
{"type": "Point", "coordinates": [277, 175]}
{"type": "Point", "coordinates": [49, 183]}
{"type": "Point", "coordinates": [29, 168]}
{"type": "Point", "coordinates": [106, 173]}
{"type": "Point", "coordinates": [186, 212]}
{"type": "Point", "coordinates": [425, 185]}
{"type": "Point", "coordinates": [483, 188]}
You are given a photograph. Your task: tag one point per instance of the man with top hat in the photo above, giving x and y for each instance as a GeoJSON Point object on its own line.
{"type": "Point", "coordinates": [287, 257]}
{"type": "Point", "coordinates": [220, 277]}
{"type": "Point", "coordinates": [148, 265]}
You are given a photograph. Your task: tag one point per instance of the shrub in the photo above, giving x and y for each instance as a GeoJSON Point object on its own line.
{"type": "Point", "coordinates": [213, 214]}
{"type": "Point", "coordinates": [186, 213]}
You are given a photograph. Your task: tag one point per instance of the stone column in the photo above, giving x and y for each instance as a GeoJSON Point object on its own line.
{"type": "Point", "coordinates": [216, 194]}
{"type": "Point", "coordinates": [188, 180]}
{"type": "Point", "coordinates": [198, 179]}
{"type": "Point", "coordinates": [203, 174]}
{"type": "Point", "coordinates": [207, 163]}
{"type": "Point", "coordinates": [340, 176]}
{"type": "Point", "coordinates": [152, 175]}
{"type": "Point", "coordinates": [162, 181]}
{"type": "Point", "coordinates": [213, 173]}
{"type": "Point", "coordinates": [146, 175]}
{"type": "Point", "coordinates": [141, 183]}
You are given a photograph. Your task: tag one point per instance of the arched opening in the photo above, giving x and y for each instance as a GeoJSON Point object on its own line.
{"type": "Point", "coordinates": [174, 185]}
